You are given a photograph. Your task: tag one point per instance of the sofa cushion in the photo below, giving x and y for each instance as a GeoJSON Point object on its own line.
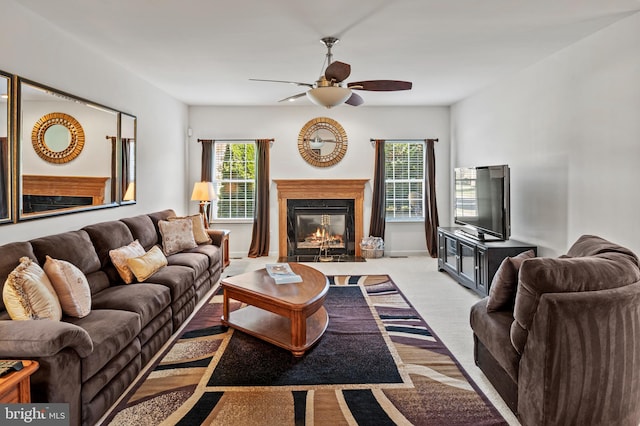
{"type": "Point", "coordinates": [492, 329]}
{"type": "Point", "coordinates": [177, 235]}
{"type": "Point", "coordinates": [502, 292]}
{"type": "Point", "coordinates": [200, 234]}
{"type": "Point", "coordinates": [73, 246]}
{"type": "Point", "coordinates": [107, 236]}
{"type": "Point", "coordinates": [178, 278]}
{"type": "Point", "coordinates": [591, 245]}
{"type": "Point", "coordinates": [110, 332]}
{"type": "Point", "coordinates": [28, 293]}
{"type": "Point", "coordinates": [147, 300]}
{"type": "Point", "coordinates": [213, 254]}
{"type": "Point", "coordinates": [148, 264]}
{"type": "Point", "coordinates": [71, 286]}
{"type": "Point", "coordinates": [120, 255]}
{"type": "Point", "coordinates": [157, 217]}
{"type": "Point", "coordinates": [10, 255]}
{"type": "Point", "coordinates": [194, 260]}
{"type": "Point", "coordinates": [612, 267]}
{"type": "Point", "coordinates": [143, 230]}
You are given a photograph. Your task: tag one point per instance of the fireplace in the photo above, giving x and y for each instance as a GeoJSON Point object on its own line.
{"type": "Point", "coordinates": [341, 201]}
{"type": "Point", "coordinates": [323, 228]}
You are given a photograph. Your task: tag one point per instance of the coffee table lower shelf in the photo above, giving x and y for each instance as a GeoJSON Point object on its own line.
{"type": "Point", "coordinates": [277, 329]}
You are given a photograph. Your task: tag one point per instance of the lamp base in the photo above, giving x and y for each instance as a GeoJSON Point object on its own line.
{"type": "Point", "coordinates": [204, 212]}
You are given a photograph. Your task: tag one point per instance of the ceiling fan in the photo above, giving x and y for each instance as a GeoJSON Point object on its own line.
{"type": "Point", "coordinates": [330, 90]}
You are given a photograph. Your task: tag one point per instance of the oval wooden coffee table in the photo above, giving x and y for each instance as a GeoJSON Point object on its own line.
{"type": "Point", "coordinates": [291, 316]}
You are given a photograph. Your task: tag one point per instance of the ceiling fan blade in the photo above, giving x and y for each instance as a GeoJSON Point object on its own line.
{"type": "Point", "coordinates": [297, 83]}
{"type": "Point", "coordinates": [294, 97]}
{"type": "Point", "coordinates": [337, 71]}
{"type": "Point", "coordinates": [354, 100]}
{"type": "Point", "coordinates": [380, 85]}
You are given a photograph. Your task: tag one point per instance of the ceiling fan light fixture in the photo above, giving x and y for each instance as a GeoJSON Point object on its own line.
{"type": "Point", "coordinates": [329, 97]}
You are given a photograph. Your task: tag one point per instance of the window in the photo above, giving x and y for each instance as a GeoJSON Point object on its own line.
{"type": "Point", "coordinates": [404, 179]}
{"type": "Point", "coordinates": [235, 171]}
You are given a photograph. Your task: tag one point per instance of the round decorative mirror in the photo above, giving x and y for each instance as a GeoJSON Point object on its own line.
{"type": "Point", "coordinates": [57, 137]}
{"type": "Point", "coordinates": [322, 142]}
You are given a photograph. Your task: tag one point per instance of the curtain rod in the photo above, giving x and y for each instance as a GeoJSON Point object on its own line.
{"type": "Point", "coordinates": [235, 140]}
{"type": "Point", "coordinates": [403, 140]}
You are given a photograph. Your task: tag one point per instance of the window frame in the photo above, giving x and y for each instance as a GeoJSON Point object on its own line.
{"type": "Point", "coordinates": [220, 182]}
{"type": "Point", "coordinates": [409, 180]}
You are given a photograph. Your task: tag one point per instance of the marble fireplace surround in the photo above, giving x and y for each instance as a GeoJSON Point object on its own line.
{"type": "Point", "coordinates": [314, 189]}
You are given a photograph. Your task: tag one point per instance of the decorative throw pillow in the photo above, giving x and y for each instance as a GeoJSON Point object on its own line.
{"type": "Point", "coordinates": [71, 286]}
{"type": "Point", "coordinates": [177, 235]}
{"type": "Point", "coordinates": [200, 234]}
{"type": "Point", "coordinates": [148, 264]}
{"type": "Point", "coordinates": [28, 294]}
{"type": "Point", "coordinates": [119, 258]}
{"type": "Point", "coordinates": [502, 293]}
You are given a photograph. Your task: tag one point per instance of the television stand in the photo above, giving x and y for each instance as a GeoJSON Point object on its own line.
{"type": "Point", "coordinates": [473, 262]}
{"type": "Point", "coordinates": [479, 236]}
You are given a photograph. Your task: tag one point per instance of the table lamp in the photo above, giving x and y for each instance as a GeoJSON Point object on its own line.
{"type": "Point", "coordinates": [204, 192]}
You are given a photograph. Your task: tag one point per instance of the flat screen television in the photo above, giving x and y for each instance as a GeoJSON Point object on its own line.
{"type": "Point", "coordinates": [482, 202]}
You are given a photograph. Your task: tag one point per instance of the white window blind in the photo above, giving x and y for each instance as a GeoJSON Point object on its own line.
{"type": "Point", "coordinates": [235, 172]}
{"type": "Point", "coordinates": [404, 180]}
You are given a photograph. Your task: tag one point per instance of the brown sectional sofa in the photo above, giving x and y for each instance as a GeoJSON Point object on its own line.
{"type": "Point", "coordinates": [568, 352]}
{"type": "Point", "coordinates": [88, 362]}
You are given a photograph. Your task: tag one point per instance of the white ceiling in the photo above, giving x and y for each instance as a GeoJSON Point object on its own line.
{"type": "Point", "coordinates": [203, 52]}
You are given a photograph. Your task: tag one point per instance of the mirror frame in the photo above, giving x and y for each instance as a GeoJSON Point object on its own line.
{"type": "Point", "coordinates": [42, 146]}
{"type": "Point", "coordinates": [10, 175]}
{"type": "Point", "coordinates": [20, 144]}
{"type": "Point", "coordinates": [128, 190]}
{"type": "Point", "coordinates": [314, 155]}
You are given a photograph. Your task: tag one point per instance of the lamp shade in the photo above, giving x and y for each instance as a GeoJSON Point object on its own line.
{"type": "Point", "coordinates": [329, 96]}
{"type": "Point", "coordinates": [203, 191]}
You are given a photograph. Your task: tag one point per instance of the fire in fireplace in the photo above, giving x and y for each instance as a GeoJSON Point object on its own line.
{"type": "Point", "coordinates": [320, 227]}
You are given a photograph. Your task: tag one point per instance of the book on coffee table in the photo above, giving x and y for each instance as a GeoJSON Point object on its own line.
{"type": "Point", "coordinates": [282, 273]}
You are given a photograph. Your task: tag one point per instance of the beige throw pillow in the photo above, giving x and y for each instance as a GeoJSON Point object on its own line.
{"type": "Point", "coordinates": [119, 258]}
{"type": "Point", "coordinates": [71, 286]}
{"type": "Point", "coordinates": [200, 234]}
{"type": "Point", "coordinates": [28, 294]}
{"type": "Point", "coordinates": [148, 264]}
{"type": "Point", "coordinates": [177, 235]}
{"type": "Point", "coordinates": [502, 293]}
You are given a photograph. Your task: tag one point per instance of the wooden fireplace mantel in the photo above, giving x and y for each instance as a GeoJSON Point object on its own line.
{"type": "Point", "coordinates": [314, 189]}
{"type": "Point", "coordinates": [69, 186]}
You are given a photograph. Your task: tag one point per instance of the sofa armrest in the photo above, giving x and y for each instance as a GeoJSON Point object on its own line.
{"type": "Point", "coordinates": [41, 338]}
{"type": "Point", "coordinates": [581, 362]}
{"type": "Point", "coordinates": [217, 235]}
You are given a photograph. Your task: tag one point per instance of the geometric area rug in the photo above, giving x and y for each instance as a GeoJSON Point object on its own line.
{"type": "Point", "coordinates": [378, 363]}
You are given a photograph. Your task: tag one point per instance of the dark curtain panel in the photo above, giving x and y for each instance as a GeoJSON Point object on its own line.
{"type": "Point", "coordinates": [431, 221]}
{"type": "Point", "coordinates": [126, 160]}
{"type": "Point", "coordinates": [378, 212]}
{"type": "Point", "coordinates": [206, 164]}
{"type": "Point", "coordinates": [260, 236]}
{"type": "Point", "coordinates": [4, 181]}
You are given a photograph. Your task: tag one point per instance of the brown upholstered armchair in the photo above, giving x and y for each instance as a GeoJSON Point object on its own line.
{"type": "Point", "coordinates": [568, 352]}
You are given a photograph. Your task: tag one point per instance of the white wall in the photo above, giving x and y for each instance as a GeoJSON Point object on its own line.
{"type": "Point", "coordinates": [31, 48]}
{"type": "Point", "coordinates": [283, 123]}
{"type": "Point", "coordinates": [569, 127]}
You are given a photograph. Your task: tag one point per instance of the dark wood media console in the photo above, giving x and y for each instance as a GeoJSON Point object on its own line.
{"type": "Point", "coordinates": [471, 262]}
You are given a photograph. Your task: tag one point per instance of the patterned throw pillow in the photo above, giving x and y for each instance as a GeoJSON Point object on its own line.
{"type": "Point", "coordinates": [71, 287]}
{"type": "Point", "coordinates": [28, 294]}
{"type": "Point", "coordinates": [177, 235]}
{"type": "Point", "coordinates": [119, 258]}
{"type": "Point", "coordinates": [200, 234]}
{"type": "Point", "coordinates": [148, 264]}
{"type": "Point", "coordinates": [502, 293]}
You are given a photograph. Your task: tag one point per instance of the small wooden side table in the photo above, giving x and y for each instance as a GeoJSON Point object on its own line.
{"type": "Point", "coordinates": [226, 260]}
{"type": "Point", "coordinates": [15, 388]}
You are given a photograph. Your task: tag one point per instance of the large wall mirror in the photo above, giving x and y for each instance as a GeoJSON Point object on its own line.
{"type": "Point", "coordinates": [5, 149]}
{"type": "Point", "coordinates": [67, 153]}
{"type": "Point", "coordinates": [128, 163]}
